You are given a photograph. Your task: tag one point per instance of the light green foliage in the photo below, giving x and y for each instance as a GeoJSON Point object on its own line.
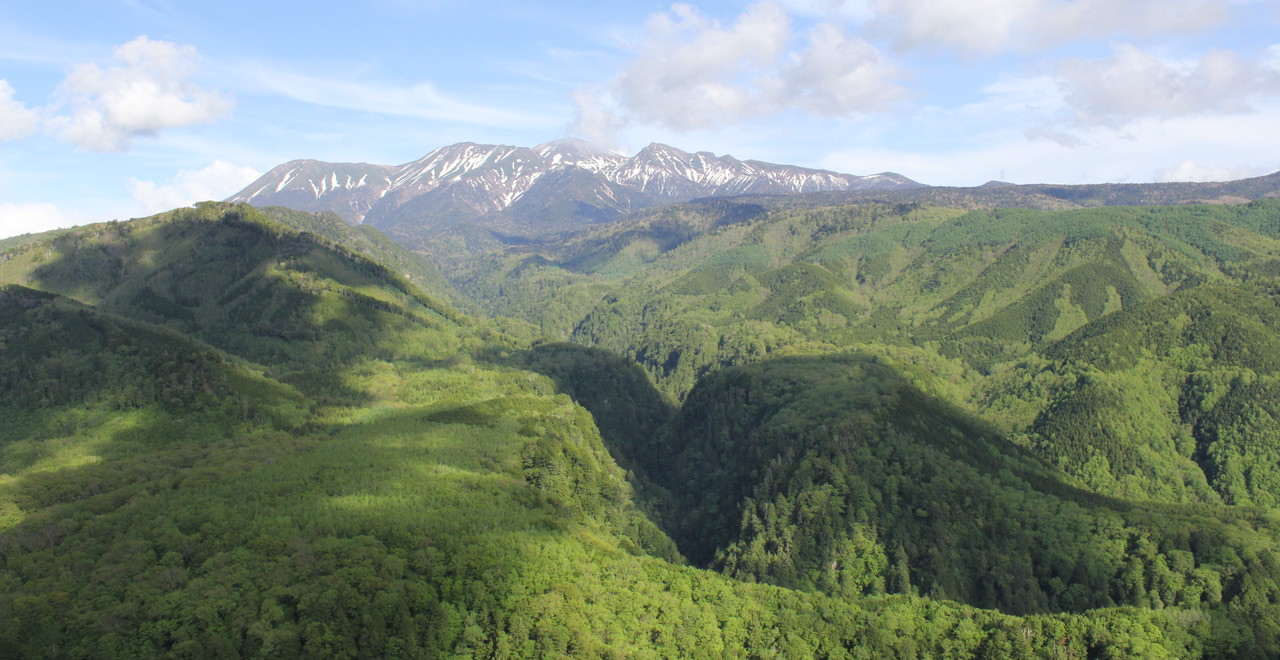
{"type": "Point", "coordinates": [823, 463]}
{"type": "Point", "coordinates": [373, 245]}
{"type": "Point", "coordinates": [988, 287]}
{"type": "Point", "coordinates": [1128, 349]}
{"type": "Point", "coordinates": [991, 290]}
{"type": "Point", "coordinates": [233, 433]}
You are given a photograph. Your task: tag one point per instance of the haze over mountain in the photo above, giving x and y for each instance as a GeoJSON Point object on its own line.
{"type": "Point", "coordinates": [552, 186]}
{"type": "Point", "coordinates": [1054, 196]}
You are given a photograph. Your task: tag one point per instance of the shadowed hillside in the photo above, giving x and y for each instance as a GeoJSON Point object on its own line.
{"type": "Point", "coordinates": [223, 434]}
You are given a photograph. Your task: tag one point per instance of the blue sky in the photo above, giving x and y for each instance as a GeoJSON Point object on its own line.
{"type": "Point", "coordinates": [116, 109]}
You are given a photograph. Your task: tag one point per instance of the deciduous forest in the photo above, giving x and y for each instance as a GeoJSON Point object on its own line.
{"type": "Point", "coordinates": [730, 428]}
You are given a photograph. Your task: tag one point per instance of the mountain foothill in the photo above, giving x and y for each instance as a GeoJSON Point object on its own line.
{"type": "Point", "coordinates": [507, 402]}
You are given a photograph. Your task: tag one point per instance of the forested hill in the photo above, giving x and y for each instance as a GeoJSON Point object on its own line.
{"type": "Point", "coordinates": [858, 431]}
{"type": "Point", "coordinates": [718, 281]}
{"type": "Point", "coordinates": [834, 473]}
{"type": "Point", "coordinates": [849, 375]}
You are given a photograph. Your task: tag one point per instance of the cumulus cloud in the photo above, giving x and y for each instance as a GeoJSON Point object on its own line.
{"type": "Point", "coordinates": [837, 76]}
{"type": "Point", "coordinates": [105, 109]}
{"type": "Point", "coordinates": [992, 26]}
{"type": "Point", "coordinates": [217, 181]}
{"type": "Point", "coordinates": [18, 219]}
{"type": "Point", "coordinates": [16, 120]}
{"type": "Point", "coordinates": [1132, 84]}
{"type": "Point", "coordinates": [695, 72]}
{"type": "Point", "coordinates": [599, 120]}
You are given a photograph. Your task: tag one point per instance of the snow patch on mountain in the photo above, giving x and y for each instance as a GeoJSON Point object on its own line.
{"type": "Point", "coordinates": [490, 178]}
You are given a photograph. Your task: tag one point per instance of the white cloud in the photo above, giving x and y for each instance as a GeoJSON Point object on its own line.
{"type": "Point", "coordinates": [418, 100]}
{"type": "Point", "coordinates": [16, 120]}
{"type": "Point", "coordinates": [1014, 93]}
{"type": "Point", "coordinates": [18, 219]}
{"type": "Point", "coordinates": [217, 181]}
{"type": "Point", "coordinates": [599, 120]}
{"type": "Point", "coordinates": [846, 10]}
{"type": "Point", "coordinates": [1148, 150]}
{"type": "Point", "coordinates": [838, 76]}
{"type": "Point", "coordinates": [105, 109]}
{"type": "Point", "coordinates": [1132, 84]}
{"type": "Point", "coordinates": [1191, 170]}
{"type": "Point", "coordinates": [992, 26]}
{"type": "Point", "coordinates": [695, 72]}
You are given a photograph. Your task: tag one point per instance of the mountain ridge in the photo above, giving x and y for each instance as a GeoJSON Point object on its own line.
{"type": "Point", "coordinates": [1056, 197]}
{"type": "Point", "coordinates": [470, 182]}
{"type": "Point", "coordinates": [246, 432]}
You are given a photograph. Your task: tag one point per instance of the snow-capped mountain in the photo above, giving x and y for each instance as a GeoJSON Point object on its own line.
{"type": "Point", "coordinates": [348, 189]}
{"type": "Point", "coordinates": [552, 186]}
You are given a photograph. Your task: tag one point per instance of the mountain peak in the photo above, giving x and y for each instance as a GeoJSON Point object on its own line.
{"type": "Point", "coordinates": [469, 182]}
{"type": "Point", "coordinates": [570, 145]}
{"type": "Point", "coordinates": [659, 149]}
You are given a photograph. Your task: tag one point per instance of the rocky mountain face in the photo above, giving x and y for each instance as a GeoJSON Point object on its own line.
{"type": "Point", "coordinates": [518, 190]}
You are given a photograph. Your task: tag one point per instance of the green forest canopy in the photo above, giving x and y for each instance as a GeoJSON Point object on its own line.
{"type": "Point", "coordinates": [856, 431]}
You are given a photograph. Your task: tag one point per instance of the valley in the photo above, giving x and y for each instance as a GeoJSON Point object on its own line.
{"type": "Point", "coordinates": [831, 424]}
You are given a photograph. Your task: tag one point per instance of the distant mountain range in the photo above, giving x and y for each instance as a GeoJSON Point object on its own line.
{"type": "Point", "coordinates": [1054, 197]}
{"type": "Point", "coordinates": [518, 190]}
{"type": "Point", "coordinates": [481, 193]}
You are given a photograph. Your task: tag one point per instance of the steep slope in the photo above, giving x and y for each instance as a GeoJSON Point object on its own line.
{"type": "Point", "coordinates": [64, 357]}
{"type": "Point", "coordinates": [1175, 396]}
{"type": "Point", "coordinates": [120, 429]}
{"type": "Point", "coordinates": [347, 189]}
{"type": "Point", "coordinates": [669, 172]}
{"type": "Point", "coordinates": [1119, 357]}
{"type": "Point", "coordinates": [160, 497]}
{"type": "Point", "coordinates": [457, 183]}
{"type": "Point", "coordinates": [375, 246]}
{"type": "Point", "coordinates": [402, 495]}
{"type": "Point", "coordinates": [981, 288]}
{"type": "Point", "coordinates": [835, 473]}
{"type": "Point", "coordinates": [228, 275]}
{"type": "Point", "coordinates": [1125, 346]}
